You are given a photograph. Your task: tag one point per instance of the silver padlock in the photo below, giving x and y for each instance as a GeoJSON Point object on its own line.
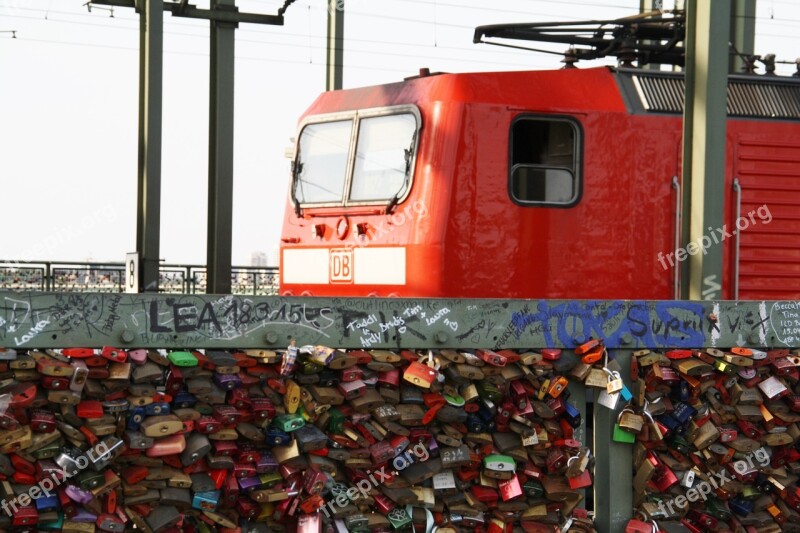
{"type": "Point", "coordinates": [608, 400]}
{"type": "Point", "coordinates": [688, 479]}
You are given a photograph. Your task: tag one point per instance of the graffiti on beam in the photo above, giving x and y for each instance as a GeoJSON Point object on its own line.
{"type": "Point", "coordinates": [785, 322]}
{"type": "Point", "coordinates": [619, 323]}
{"type": "Point", "coordinates": [170, 321]}
{"type": "Point", "coordinates": [45, 320]}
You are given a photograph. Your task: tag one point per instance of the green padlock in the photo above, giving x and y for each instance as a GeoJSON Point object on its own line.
{"type": "Point", "coordinates": [489, 391]}
{"type": "Point", "coordinates": [750, 492]}
{"type": "Point", "coordinates": [399, 518]}
{"type": "Point", "coordinates": [269, 479]}
{"type": "Point", "coordinates": [289, 423]}
{"type": "Point", "coordinates": [204, 409]}
{"type": "Point", "coordinates": [717, 509]}
{"type": "Point", "coordinates": [336, 421]}
{"type": "Point", "coordinates": [620, 435]}
{"type": "Point", "coordinates": [88, 480]}
{"type": "Point", "coordinates": [182, 359]}
{"type": "Point", "coordinates": [49, 451]}
{"type": "Point", "coordinates": [310, 367]}
{"type": "Point", "coordinates": [680, 444]}
{"type": "Point", "coordinates": [455, 401]}
{"type": "Point", "coordinates": [56, 525]}
{"type": "Point", "coordinates": [533, 488]}
{"type": "Point", "coordinates": [301, 410]}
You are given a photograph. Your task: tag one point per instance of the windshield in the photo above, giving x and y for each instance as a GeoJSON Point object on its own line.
{"type": "Point", "coordinates": [322, 164]}
{"type": "Point", "coordinates": [330, 171]}
{"type": "Point", "coordinates": [384, 151]}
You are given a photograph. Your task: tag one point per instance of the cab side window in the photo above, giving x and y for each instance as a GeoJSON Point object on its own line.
{"type": "Point", "coordinates": [545, 162]}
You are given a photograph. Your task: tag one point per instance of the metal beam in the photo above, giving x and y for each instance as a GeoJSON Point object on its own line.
{"type": "Point", "coordinates": [613, 497]}
{"type": "Point", "coordinates": [704, 143]}
{"type": "Point", "coordinates": [189, 11]}
{"type": "Point", "coordinates": [220, 151]}
{"type": "Point", "coordinates": [335, 74]}
{"type": "Point", "coordinates": [743, 31]}
{"type": "Point", "coordinates": [52, 320]}
{"type": "Point", "coordinates": [148, 218]}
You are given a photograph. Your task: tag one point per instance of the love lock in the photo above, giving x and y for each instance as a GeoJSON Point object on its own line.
{"type": "Point", "coordinates": [193, 440]}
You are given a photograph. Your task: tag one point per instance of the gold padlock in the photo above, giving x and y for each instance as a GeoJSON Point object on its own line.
{"type": "Point", "coordinates": [581, 371]}
{"type": "Point", "coordinates": [615, 382]}
{"type": "Point", "coordinates": [706, 435]}
{"type": "Point", "coordinates": [630, 421]}
{"type": "Point", "coordinates": [596, 378]}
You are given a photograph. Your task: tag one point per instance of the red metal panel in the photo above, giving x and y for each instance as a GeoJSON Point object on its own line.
{"type": "Point", "coordinates": [768, 167]}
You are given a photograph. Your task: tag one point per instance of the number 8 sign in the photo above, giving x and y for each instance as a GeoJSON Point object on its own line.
{"type": "Point", "coordinates": [132, 272]}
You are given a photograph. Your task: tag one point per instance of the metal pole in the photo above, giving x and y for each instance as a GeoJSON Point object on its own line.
{"type": "Point", "coordinates": [148, 219]}
{"type": "Point", "coordinates": [220, 152]}
{"type": "Point", "coordinates": [704, 143]}
{"type": "Point", "coordinates": [743, 31]}
{"type": "Point", "coordinates": [335, 76]}
{"type": "Point", "coordinates": [646, 6]}
{"type": "Point", "coordinates": [613, 496]}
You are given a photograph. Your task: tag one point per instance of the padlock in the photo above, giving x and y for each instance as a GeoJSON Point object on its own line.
{"type": "Point", "coordinates": [615, 382]}
{"type": "Point", "coordinates": [420, 374]}
{"type": "Point", "coordinates": [608, 400]}
{"type": "Point", "coordinates": [687, 480]}
{"type": "Point", "coordinates": [620, 435]}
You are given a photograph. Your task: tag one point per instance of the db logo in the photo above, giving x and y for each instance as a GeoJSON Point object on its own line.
{"type": "Point", "coordinates": [341, 265]}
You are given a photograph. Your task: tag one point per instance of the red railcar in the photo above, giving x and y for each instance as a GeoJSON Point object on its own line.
{"type": "Point", "coordinates": [550, 184]}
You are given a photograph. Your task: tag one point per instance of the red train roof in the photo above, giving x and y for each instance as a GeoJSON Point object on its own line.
{"type": "Point", "coordinates": [566, 90]}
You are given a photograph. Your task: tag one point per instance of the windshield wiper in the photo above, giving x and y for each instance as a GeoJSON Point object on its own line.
{"type": "Point", "coordinates": [409, 157]}
{"type": "Point", "coordinates": [297, 167]}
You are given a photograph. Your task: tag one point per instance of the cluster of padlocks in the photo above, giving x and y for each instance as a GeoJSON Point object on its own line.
{"type": "Point", "coordinates": [715, 440]}
{"type": "Point", "coordinates": [316, 439]}
{"type": "Point", "coordinates": [306, 439]}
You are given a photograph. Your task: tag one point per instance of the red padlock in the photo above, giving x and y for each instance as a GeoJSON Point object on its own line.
{"type": "Point", "coordinates": [114, 354]}
{"type": "Point", "coordinates": [78, 353]}
{"type": "Point", "coordinates": [420, 375]}
{"type": "Point", "coordinates": [582, 480]}
{"type": "Point", "coordinates": [635, 525]}
{"type": "Point", "coordinates": [89, 409]}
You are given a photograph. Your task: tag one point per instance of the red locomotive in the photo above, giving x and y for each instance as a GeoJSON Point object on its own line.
{"type": "Point", "coordinates": [550, 184]}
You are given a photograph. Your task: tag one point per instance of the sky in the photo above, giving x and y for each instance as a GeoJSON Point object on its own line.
{"type": "Point", "coordinates": [69, 107]}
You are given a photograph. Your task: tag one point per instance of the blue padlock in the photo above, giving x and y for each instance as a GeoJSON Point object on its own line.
{"type": "Point", "coordinates": [475, 424]}
{"type": "Point", "coordinates": [669, 422]}
{"type": "Point", "coordinates": [572, 415]}
{"type": "Point", "coordinates": [184, 400]}
{"type": "Point", "coordinates": [625, 393]}
{"type": "Point", "coordinates": [682, 392]}
{"type": "Point", "coordinates": [47, 503]}
{"type": "Point", "coordinates": [741, 507]}
{"type": "Point", "coordinates": [277, 437]}
{"type": "Point", "coordinates": [136, 415]}
{"type": "Point", "coordinates": [683, 413]}
{"type": "Point", "coordinates": [206, 501]}
{"type": "Point", "coordinates": [157, 408]}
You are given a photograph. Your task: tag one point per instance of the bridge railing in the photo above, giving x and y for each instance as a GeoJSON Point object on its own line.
{"type": "Point", "coordinates": [61, 276]}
